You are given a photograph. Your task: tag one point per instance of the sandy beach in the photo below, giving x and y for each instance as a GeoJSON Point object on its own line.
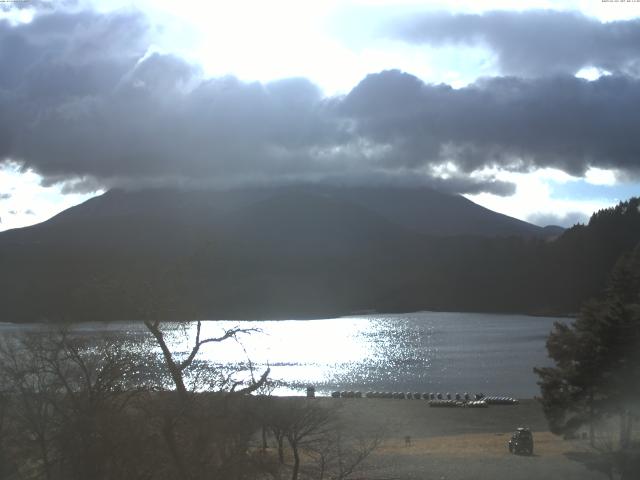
{"type": "Point", "coordinates": [462, 443]}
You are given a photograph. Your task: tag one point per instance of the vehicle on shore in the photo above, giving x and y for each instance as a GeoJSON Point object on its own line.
{"type": "Point", "coordinates": [521, 441]}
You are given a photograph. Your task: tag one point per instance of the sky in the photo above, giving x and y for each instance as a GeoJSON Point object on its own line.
{"type": "Point", "coordinates": [528, 108]}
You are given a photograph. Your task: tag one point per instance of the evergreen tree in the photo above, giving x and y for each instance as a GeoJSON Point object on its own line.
{"type": "Point", "coordinates": [597, 364]}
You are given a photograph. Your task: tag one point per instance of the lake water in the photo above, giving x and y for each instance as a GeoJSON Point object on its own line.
{"type": "Point", "coordinates": [421, 352]}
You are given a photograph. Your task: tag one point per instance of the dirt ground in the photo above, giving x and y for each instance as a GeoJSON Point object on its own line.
{"type": "Point", "coordinates": [462, 443]}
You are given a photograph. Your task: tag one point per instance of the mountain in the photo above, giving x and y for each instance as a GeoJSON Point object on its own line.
{"type": "Point", "coordinates": [421, 209]}
{"type": "Point", "coordinates": [434, 213]}
{"type": "Point", "coordinates": [280, 252]}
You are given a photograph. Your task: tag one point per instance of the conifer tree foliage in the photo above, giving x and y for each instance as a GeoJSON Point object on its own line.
{"type": "Point", "coordinates": [597, 358]}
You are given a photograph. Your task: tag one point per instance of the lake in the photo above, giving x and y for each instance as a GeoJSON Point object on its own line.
{"type": "Point", "coordinates": [420, 352]}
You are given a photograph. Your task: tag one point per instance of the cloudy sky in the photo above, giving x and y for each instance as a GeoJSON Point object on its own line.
{"type": "Point", "coordinates": [529, 108]}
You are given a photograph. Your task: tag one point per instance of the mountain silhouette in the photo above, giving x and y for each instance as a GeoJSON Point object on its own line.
{"type": "Point", "coordinates": [275, 252]}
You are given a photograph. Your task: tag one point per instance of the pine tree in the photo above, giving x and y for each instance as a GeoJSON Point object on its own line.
{"type": "Point", "coordinates": [597, 359]}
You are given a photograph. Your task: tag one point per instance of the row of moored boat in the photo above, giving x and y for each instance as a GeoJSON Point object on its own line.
{"type": "Point", "coordinates": [478, 400]}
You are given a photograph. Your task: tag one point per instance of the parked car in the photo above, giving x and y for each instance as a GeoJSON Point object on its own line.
{"type": "Point", "coordinates": [521, 441]}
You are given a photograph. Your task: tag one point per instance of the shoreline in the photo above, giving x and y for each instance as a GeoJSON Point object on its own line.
{"type": "Point", "coordinates": [290, 318]}
{"type": "Point", "coordinates": [416, 418]}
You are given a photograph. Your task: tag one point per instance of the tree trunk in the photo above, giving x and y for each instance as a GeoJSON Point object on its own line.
{"type": "Point", "coordinates": [592, 441]}
{"type": "Point", "coordinates": [323, 466]}
{"type": "Point", "coordinates": [625, 428]}
{"type": "Point", "coordinates": [45, 457]}
{"type": "Point", "coordinates": [296, 461]}
{"type": "Point", "coordinates": [174, 370]}
{"type": "Point", "coordinates": [264, 438]}
{"type": "Point", "coordinates": [170, 439]}
{"type": "Point", "coordinates": [280, 448]}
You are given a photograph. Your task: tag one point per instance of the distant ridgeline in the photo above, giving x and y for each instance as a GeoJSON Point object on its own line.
{"type": "Point", "coordinates": [300, 252]}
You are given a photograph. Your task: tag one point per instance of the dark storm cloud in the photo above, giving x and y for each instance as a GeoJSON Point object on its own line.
{"type": "Point", "coordinates": [58, 60]}
{"type": "Point", "coordinates": [69, 54]}
{"type": "Point", "coordinates": [532, 43]}
{"type": "Point", "coordinates": [85, 104]}
{"type": "Point", "coordinates": [153, 124]}
{"type": "Point", "coordinates": [561, 122]}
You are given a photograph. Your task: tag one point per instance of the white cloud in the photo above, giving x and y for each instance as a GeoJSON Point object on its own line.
{"type": "Point", "coordinates": [599, 176]}
{"type": "Point", "coordinates": [29, 202]}
{"type": "Point", "coordinates": [534, 195]}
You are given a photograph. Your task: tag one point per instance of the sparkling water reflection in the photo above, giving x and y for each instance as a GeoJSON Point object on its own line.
{"type": "Point", "coordinates": [425, 351]}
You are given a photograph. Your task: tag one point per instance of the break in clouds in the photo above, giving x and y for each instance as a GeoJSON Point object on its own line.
{"type": "Point", "coordinates": [566, 220]}
{"type": "Point", "coordinates": [85, 103]}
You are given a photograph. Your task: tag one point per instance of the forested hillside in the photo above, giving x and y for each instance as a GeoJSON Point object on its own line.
{"type": "Point", "coordinates": [292, 254]}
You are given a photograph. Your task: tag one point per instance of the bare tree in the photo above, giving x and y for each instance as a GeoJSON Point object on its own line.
{"type": "Point", "coordinates": [181, 445]}
{"type": "Point", "coordinates": [4, 455]}
{"type": "Point", "coordinates": [309, 427]}
{"type": "Point", "coordinates": [31, 389]}
{"type": "Point", "coordinates": [338, 456]}
{"type": "Point", "coordinates": [177, 368]}
{"type": "Point", "coordinates": [64, 399]}
{"type": "Point", "coordinates": [300, 422]}
{"type": "Point", "coordinates": [77, 412]}
{"type": "Point", "coordinates": [265, 406]}
{"type": "Point", "coordinates": [91, 397]}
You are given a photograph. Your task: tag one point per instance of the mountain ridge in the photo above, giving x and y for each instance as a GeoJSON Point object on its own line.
{"type": "Point", "coordinates": [459, 216]}
{"type": "Point", "coordinates": [293, 252]}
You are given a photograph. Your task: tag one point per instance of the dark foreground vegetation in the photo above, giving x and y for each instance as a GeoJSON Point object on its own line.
{"type": "Point", "coordinates": [74, 411]}
{"type": "Point", "coordinates": [596, 377]}
{"type": "Point", "coordinates": [67, 416]}
{"type": "Point", "coordinates": [300, 252]}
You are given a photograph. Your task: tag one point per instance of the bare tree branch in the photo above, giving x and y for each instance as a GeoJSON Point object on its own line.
{"type": "Point", "coordinates": [232, 333]}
